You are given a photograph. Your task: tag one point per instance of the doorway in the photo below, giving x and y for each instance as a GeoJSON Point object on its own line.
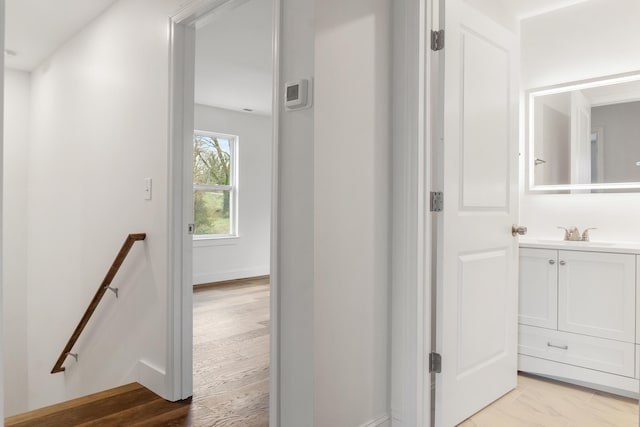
{"type": "Point", "coordinates": [538, 225]}
{"type": "Point", "coordinates": [223, 62]}
{"type": "Point", "coordinates": [231, 193]}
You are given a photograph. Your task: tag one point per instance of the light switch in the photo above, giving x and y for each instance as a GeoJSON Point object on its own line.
{"type": "Point", "coordinates": [147, 188]}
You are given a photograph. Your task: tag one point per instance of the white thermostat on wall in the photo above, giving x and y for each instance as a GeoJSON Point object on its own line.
{"type": "Point", "coordinates": [297, 95]}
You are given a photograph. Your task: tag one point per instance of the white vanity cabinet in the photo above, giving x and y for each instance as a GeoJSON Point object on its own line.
{"type": "Point", "coordinates": [577, 315]}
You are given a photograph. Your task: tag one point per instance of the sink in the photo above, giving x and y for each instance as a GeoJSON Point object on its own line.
{"type": "Point", "coordinates": [576, 243]}
{"type": "Point", "coordinates": [595, 246]}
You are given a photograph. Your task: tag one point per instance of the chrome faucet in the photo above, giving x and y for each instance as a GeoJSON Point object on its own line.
{"type": "Point", "coordinates": [573, 234]}
{"type": "Point", "coordinates": [585, 234]}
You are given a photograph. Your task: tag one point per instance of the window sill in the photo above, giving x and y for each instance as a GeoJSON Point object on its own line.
{"type": "Point", "coordinates": [200, 242]}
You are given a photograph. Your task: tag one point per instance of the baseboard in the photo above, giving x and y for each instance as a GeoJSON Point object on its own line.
{"type": "Point", "coordinates": [244, 280]}
{"type": "Point", "coordinates": [381, 421]}
{"type": "Point", "coordinates": [396, 420]}
{"type": "Point", "coordinates": [609, 383]}
{"type": "Point", "coordinates": [222, 276]}
{"type": "Point", "coordinates": [151, 377]}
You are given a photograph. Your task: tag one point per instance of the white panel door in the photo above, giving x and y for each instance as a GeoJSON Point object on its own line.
{"type": "Point", "coordinates": [477, 275]}
{"type": "Point", "coordinates": [538, 285]}
{"type": "Point", "coordinates": [597, 294]}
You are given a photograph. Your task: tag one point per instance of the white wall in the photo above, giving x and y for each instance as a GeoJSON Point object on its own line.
{"type": "Point", "coordinates": [333, 215]}
{"type": "Point", "coordinates": [248, 255]}
{"type": "Point", "coordinates": [296, 221]}
{"type": "Point", "coordinates": [99, 110]}
{"type": "Point", "coordinates": [352, 156]}
{"type": "Point", "coordinates": [576, 42]}
{"type": "Point", "coordinates": [14, 277]}
{"type": "Point", "coordinates": [99, 127]}
{"type": "Point", "coordinates": [588, 40]}
{"type": "Point", "coordinates": [2, 344]}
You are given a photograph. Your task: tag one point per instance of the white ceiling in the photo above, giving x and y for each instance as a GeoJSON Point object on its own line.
{"type": "Point", "coordinates": [36, 28]}
{"type": "Point", "coordinates": [233, 58]}
{"type": "Point", "coordinates": [233, 53]}
{"type": "Point", "coordinates": [233, 50]}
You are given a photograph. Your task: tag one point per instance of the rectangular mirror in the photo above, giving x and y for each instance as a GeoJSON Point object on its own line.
{"type": "Point", "coordinates": [585, 136]}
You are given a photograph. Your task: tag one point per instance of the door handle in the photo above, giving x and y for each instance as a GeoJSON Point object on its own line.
{"type": "Point", "coordinates": [552, 261]}
{"type": "Point", "coordinates": [518, 229]}
{"type": "Point", "coordinates": [561, 347]}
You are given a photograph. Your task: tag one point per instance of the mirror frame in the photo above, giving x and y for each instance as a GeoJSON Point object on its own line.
{"type": "Point", "coordinates": [529, 100]}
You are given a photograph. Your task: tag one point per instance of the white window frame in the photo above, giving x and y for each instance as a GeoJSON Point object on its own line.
{"type": "Point", "coordinates": [233, 188]}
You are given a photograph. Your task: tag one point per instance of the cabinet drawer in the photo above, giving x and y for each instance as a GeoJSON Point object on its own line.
{"type": "Point", "coordinates": [579, 350]}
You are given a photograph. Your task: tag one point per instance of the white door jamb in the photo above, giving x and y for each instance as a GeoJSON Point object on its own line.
{"type": "Point", "coordinates": [179, 375]}
{"type": "Point", "coordinates": [411, 235]}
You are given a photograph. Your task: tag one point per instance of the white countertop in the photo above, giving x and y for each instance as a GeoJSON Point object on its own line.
{"type": "Point", "coordinates": [593, 246]}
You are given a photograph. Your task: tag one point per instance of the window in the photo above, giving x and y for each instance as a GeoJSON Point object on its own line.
{"type": "Point", "coordinates": [214, 185]}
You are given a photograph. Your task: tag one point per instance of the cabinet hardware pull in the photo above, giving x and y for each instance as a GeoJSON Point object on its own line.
{"type": "Point", "coordinates": [552, 261]}
{"type": "Point", "coordinates": [561, 347]}
{"type": "Point", "coordinates": [563, 262]}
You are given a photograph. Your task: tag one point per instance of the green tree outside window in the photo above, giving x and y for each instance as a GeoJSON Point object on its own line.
{"type": "Point", "coordinates": [213, 184]}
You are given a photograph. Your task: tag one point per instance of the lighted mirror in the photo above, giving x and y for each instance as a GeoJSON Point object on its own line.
{"type": "Point", "coordinates": [585, 136]}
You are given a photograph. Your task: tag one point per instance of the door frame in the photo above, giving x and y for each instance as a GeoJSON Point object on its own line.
{"type": "Point", "coordinates": [179, 375]}
{"type": "Point", "coordinates": [2, 345]}
{"type": "Point", "coordinates": [411, 271]}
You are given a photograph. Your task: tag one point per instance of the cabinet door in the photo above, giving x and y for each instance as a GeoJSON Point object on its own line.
{"type": "Point", "coordinates": [538, 296]}
{"type": "Point", "coordinates": [597, 294]}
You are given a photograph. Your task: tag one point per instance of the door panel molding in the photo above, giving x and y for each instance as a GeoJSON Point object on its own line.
{"type": "Point", "coordinates": [477, 279]}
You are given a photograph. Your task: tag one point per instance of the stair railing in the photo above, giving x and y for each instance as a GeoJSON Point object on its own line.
{"type": "Point", "coordinates": [104, 287]}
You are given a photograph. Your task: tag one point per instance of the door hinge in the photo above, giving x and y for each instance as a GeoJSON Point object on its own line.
{"type": "Point", "coordinates": [191, 228]}
{"type": "Point", "coordinates": [435, 363]}
{"type": "Point", "coordinates": [437, 201]}
{"type": "Point", "coordinates": [437, 40]}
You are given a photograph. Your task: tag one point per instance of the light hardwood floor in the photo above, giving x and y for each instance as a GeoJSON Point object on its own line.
{"type": "Point", "coordinates": [231, 382]}
{"type": "Point", "coordinates": [231, 367]}
{"type": "Point", "coordinates": [538, 402]}
{"type": "Point", "coordinates": [231, 355]}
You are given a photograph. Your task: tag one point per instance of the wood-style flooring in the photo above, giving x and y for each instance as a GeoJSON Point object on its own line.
{"type": "Point", "coordinates": [231, 382]}
{"type": "Point", "coordinates": [231, 372]}
{"type": "Point", "coordinates": [538, 402]}
{"type": "Point", "coordinates": [231, 354]}
{"type": "Point", "coordinates": [130, 405]}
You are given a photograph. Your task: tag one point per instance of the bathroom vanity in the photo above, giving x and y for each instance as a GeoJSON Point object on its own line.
{"type": "Point", "coordinates": [577, 313]}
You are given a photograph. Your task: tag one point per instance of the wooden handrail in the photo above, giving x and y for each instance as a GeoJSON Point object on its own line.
{"type": "Point", "coordinates": [104, 286]}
